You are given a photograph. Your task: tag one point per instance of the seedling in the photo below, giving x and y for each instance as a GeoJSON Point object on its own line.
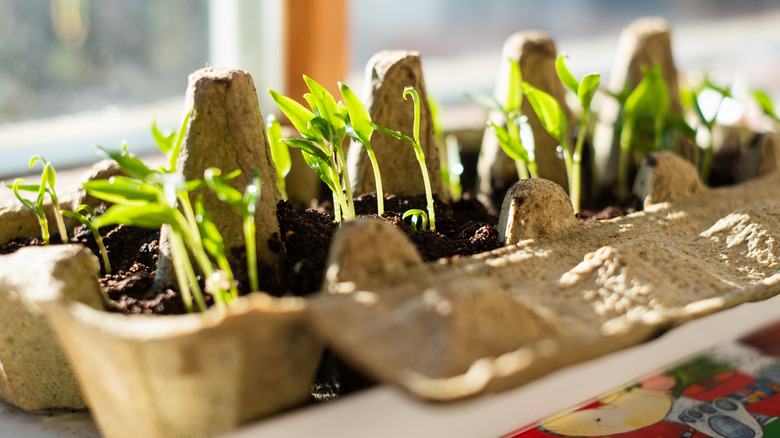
{"type": "Point", "coordinates": [419, 218]}
{"type": "Point", "coordinates": [323, 129]}
{"type": "Point", "coordinates": [153, 198]}
{"type": "Point", "coordinates": [279, 152]}
{"type": "Point", "coordinates": [585, 89]}
{"type": "Point", "coordinates": [449, 153]}
{"type": "Point", "coordinates": [516, 140]}
{"type": "Point", "coordinates": [415, 142]}
{"type": "Point", "coordinates": [556, 124]}
{"type": "Point", "coordinates": [707, 116]}
{"type": "Point", "coordinates": [246, 205]}
{"type": "Point", "coordinates": [765, 102]}
{"type": "Point", "coordinates": [650, 99]}
{"type": "Point", "coordinates": [86, 220]}
{"type": "Point", "coordinates": [46, 186]}
{"type": "Point", "coordinates": [361, 128]}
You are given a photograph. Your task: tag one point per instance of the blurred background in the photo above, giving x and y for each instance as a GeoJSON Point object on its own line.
{"type": "Point", "coordinates": [75, 73]}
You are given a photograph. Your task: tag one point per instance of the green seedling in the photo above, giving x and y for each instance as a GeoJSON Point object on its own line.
{"type": "Point", "coordinates": [419, 218]}
{"type": "Point", "coordinates": [279, 152]}
{"type": "Point", "coordinates": [516, 139]}
{"type": "Point", "coordinates": [765, 102]}
{"type": "Point", "coordinates": [222, 279]}
{"type": "Point", "coordinates": [415, 142]}
{"type": "Point", "coordinates": [556, 124]}
{"type": "Point", "coordinates": [361, 128]}
{"type": "Point", "coordinates": [246, 205]}
{"type": "Point", "coordinates": [323, 129]}
{"type": "Point", "coordinates": [585, 89]}
{"type": "Point", "coordinates": [454, 166]}
{"type": "Point", "coordinates": [650, 99]}
{"type": "Point", "coordinates": [153, 198]}
{"type": "Point", "coordinates": [86, 220]}
{"type": "Point", "coordinates": [449, 153]}
{"type": "Point", "coordinates": [46, 186]}
{"type": "Point", "coordinates": [707, 118]}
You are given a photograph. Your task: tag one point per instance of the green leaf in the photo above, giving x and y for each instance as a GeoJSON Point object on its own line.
{"type": "Point", "coordinates": [209, 233]}
{"type": "Point", "coordinates": [164, 142]}
{"type": "Point", "coordinates": [279, 151]}
{"type": "Point", "coordinates": [173, 153]}
{"type": "Point", "coordinates": [511, 146]}
{"type": "Point", "coordinates": [326, 104]}
{"type": "Point", "coordinates": [298, 115]}
{"type": "Point", "coordinates": [252, 193]}
{"type": "Point", "coordinates": [588, 87]}
{"type": "Point", "coordinates": [765, 102]}
{"type": "Point", "coordinates": [565, 75]}
{"type": "Point", "coordinates": [224, 192]}
{"type": "Point", "coordinates": [127, 162]}
{"type": "Point", "coordinates": [121, 190]}
{"type": "Point", "coordinates": [147, 216]}
{"type": "Point", "coordinates": [514, 96]}
{"type": "Point", "coordinates": [650, 97]}
{"type": "Point", "coordinates": [325, 128]}
{"type": "Point", "coordinates": [308, 147]}
{"type": "Point", "coordinates": [26, 202]}
{"type": "Point", "coordinates": [322, 169]}
{"type": "Point", "coordinates": [488, 102]}
{"type": "Point", "coordinates": [359, 118]}
{"type": "Point", "coordinates": [549, 112]}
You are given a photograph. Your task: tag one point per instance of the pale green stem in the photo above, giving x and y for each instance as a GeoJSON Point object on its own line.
{"type": "Point", "coordinates": [626, 136]}
{"type": "Point", "coordinates": [251, 252]}
{"type": "Point", "coordinates": [532, 169]}
{"type": "Point", "coordinates": [347, 183]}
{"type": "Point", "coordinates": [185, 274]}
{"type": "Point", "coordinates": [380, 195]}
{"type": "Point", "coordinates": [194, 242]}
{"type": "Point", "coordinates": [428, 191]}
{"type": "Point", "coordinates": [58, 219]}
{"type": "Point", "coordinates": [522, 169]}
{"type": "Point", "coordinates": [103, 253]}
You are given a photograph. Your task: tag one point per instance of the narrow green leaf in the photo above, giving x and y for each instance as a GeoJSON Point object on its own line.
{"type": "Point", "coordinates": [164, 141]}
{"type": "Point", "coordinates": [308, 147]}
{"type": "Point", "coordinates": [213, 242]}
{"type": "Point", "coordinates": [514, 97]}
{"type": "Point", "coordinates": [488, 102]}
{"type": "Point", "coordinates": [26, 202]}
{"type": "Point", "coordinates": [359, 118]}
{"type": "Point", "coordinates": [279, 151]}
{"type": "Point", "coordinates": [322, 169]}
{"type": "Point", "coordinates": [298, 115]}
{"type": "Point", "coordinates": [121, 190]}
{"type": "Point", "coordinates": [224, 192]}
{"type": "Point", "coordinates": [588, 87]}
{"type": "Point", "coordinates": [127, 162]}
{"type": "Point", "coordinates": [326, 104]}
{"type": "Point", "coordinates": [511, 146]}
{"type": "Point", "coordinates": [147, 216]}
{"type": "Point", "coordinates": [549, 112]}
{"type": "Point", "coordinates": [765, 102]}
{"type": "Point", "coordinates": [175, 151]}
{"type": "Point", "coordinates": [565, 75]}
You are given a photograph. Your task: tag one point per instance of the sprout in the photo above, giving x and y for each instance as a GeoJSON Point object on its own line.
{"type": "Point", "coordinates": [46, 186]}
{"type": "Point", "coordinates": [246, 205]}
{"type": "Point", "coordinates": [415, 142]}
{"type": "Point", "coordinates": [516, 139]}
{"type": "Point", "coordinates": [87, 221]}
{"type": "Point", "coordinates": [649, 99]}
{"type": "Point", "coordinates": [585, 89]}
{"type": "Point", "coordinates": [280, 153]}
{"type": "Point", "coordinates": [361, 128]}
{"type": "Point", "coordinates": [419, 218]}
{"type": "Point", "coordinates": [323, 129]}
